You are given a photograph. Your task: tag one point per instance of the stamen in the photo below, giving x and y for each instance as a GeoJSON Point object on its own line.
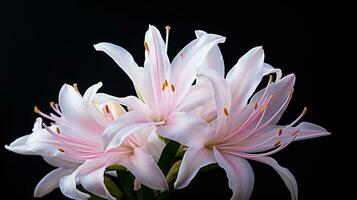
{"type": "Point", "coordinates": [163, 86]}
{"type": "Point", "coordinates": [36, 110]}
{"type": "Point", "coordinates": [255, 105]}
{"type": "Point", "coordinates": [172, 87]}
{"type": "Point", "coordinates": [52, 104]}
{"type": "Point", "coordinates": [167, 37]}
{"type": "Point", "coordinates": [295, 133]}
{"type": "Point", "coordinates": [225, 111]}
{"type": "Point", "coordinates": [300, 116]}
{"type": "Point", "coordinates": [58, 130]}
{"type": "Point", "coordinates": [290, 93]}
{"type": "Point", "coordinates": [106, 109]}
{"type": "Point", "coordinates": [166, 83]}
{"type": "Point", "coordinates": [75, 87]}
{"type": "Point", "coordinates": [61, 150]}
{"type": "Point", "coordinates": [277, 143]}
{"type": "Point", "coordinates": [270, 79]}
{"type": "Point", "coordinates": [280, 131]}
{"type": "Point", "coordinates": [146, 46]}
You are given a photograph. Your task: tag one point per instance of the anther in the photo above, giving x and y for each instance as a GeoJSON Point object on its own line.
{"type": "Point", "coordinates": [52, 103]}
{"type": "Point", "coordinates": [75, 86]}
{"type": "Point", "coordinates": [61, 149]}
{"type": "Point", "coordinates": [277, 143]}
{"type": "Point", "coordinates": [173, 88]}
{"type": "Point", "coordinates": [225, 111]}
{"type": "Point", "coordinates": [106, 109]}
{"type": "Point", "coordinates": [255, 105]}
{"type": "Point", "coordinates": [280, 131]}
{"type": "Point", "coordinates": [146, 46]}
{"type": "Point", "coordinates": [58, 130]}
{"type": "Point", "coordinates": [35, 109]}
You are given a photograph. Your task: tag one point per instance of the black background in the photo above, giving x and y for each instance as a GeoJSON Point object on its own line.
{"type": "Point", "coordinates": [46, 44]}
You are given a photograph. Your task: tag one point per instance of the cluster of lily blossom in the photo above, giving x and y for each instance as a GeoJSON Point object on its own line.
{"type": "Point", "coordinates": [216, 118]}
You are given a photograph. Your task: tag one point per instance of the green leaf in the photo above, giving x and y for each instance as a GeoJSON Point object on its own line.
{"type": "Point", "coordinates": [126, 183]}
{"type": "Point", "coordinates": [146, 193]}
{"type": "Point", "coordinates": [112, 187]}
{"type": "Point", "coordinates": [168, 156]}
{"type": "Point", "coordinates": [209, 167]}
{"type": "Point", "coordinates": [171, 176]}
{"type": "Point", "coordinates": [115, 168]}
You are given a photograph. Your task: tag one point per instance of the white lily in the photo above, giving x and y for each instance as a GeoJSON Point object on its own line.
{"type": "Point", "coordinates": [232, 130]}
{"type": "Point", "coordinates": [73, 144]}
{"type": "Point", "coordinates": [166, 88]}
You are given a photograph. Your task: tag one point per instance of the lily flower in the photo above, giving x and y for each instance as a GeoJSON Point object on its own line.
{"type": "Point", "coordinates": [73, 145]}
{"type": "Point", "coordinates": [165, 88]}
{"type": "Point", "coordinates": [234, 129]}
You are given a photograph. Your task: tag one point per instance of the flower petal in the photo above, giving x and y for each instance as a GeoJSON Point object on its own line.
{"type": "Point", "coordinates": [50, 181]}
{"type": "Point", "coordinates": [222, 95]}
{"type": "Point", "coordinates": [186, 128]}
{"type": "Point", "coordinates": [75, 111]}
{"type": "Point", "coordinates": [309, 130]}
{"type": "Point", "coordinates": [279, 92]}
{"type": "Point", "coordinates": [130, 101]}
{"type": "Point", "coordinates": [123, 59]}
{"type": "Point", "coordinates": [91, 177]}
{"type": "Point", "coordinates": [39, 142]}
{"type": "Point", "coordinates": [62, 163]}
{"type": "Point", "coordinates": [68, 187]}
{"type": "Point", "coordinates": [239, 172]}
{"type": "Point", "coordinates": [116, 133]}
{"type": "Point", "coordinates": [157, 56]}
{"type": "Point", "coordinates": [284, 173]}
{"type": "Point", "coordinates": [184, 65]}
{"type": "Point", "coordinates": [214, 59]}
{"type": "Point", "coordinates": [197, 96]}
{"type": "Point", "coordinates": [245, 76]}
{"type": "Point", "coordinates": [193, 160]}
{"type": "Point", "coordinates": [145, 169]}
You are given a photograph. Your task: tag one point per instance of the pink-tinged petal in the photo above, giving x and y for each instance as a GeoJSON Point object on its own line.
{"type": "Point", "coordinates": [269, 139]}
{"type": "Point", "coordinates": [116, 133]}
{"type": "Point", "coordinates": [187, 129]}
{"type": "Point", "coordinates": [214, 59]}
{"type": "Point", "coordinates": [127, 63]}
{"type": "Point", "coordinates": [222, 94]}
{"type": "Point", "coordinates": [123, 59]}
{"type": "Point", "coordinates": [184, 65]}
{"type": "Point", "coordinates": [91, 177]}
{"type": "Point", "coordinates": [130, 101]}
{"type": "Point", "coordinates": [197, 96]}
{"type": "Point", "coordinates": [153, 143]}
{"type": "Point", "coordinates": [145, 169]}
{"type": "Point", "coordinates": [37, 125]}
{"type": "Point", "coordinates": [284, 173]}
{"type": "Point", "coordinates": [268, 69]}
{"type": "Point", "coordinates": [239, 172]}
{"type": "Point", "coordinates": [156, 54]}
{"type": "Point", "coordinates": [62, 163]}
{"type": "Point", "coordinates": [193, 160]}
{"type": "Point", "coordinates": [309, 130]}
{"type": "Point", "coordinates": [75, 110]}
{"type": "Point", "coordinates": [50, 182]}
{"type": "Point", "coordinates": [68, 187]}
{"type": "Point", "coordinates": [89, 97]}
{"type": "Point", "coordinates": [279, 91]}
{"type": "Point", "coordinates": [91, 91]}
{"type": "Point", "coordinates": [39, 142]}
{"type": "Point", "coordinates": [245, 76]}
